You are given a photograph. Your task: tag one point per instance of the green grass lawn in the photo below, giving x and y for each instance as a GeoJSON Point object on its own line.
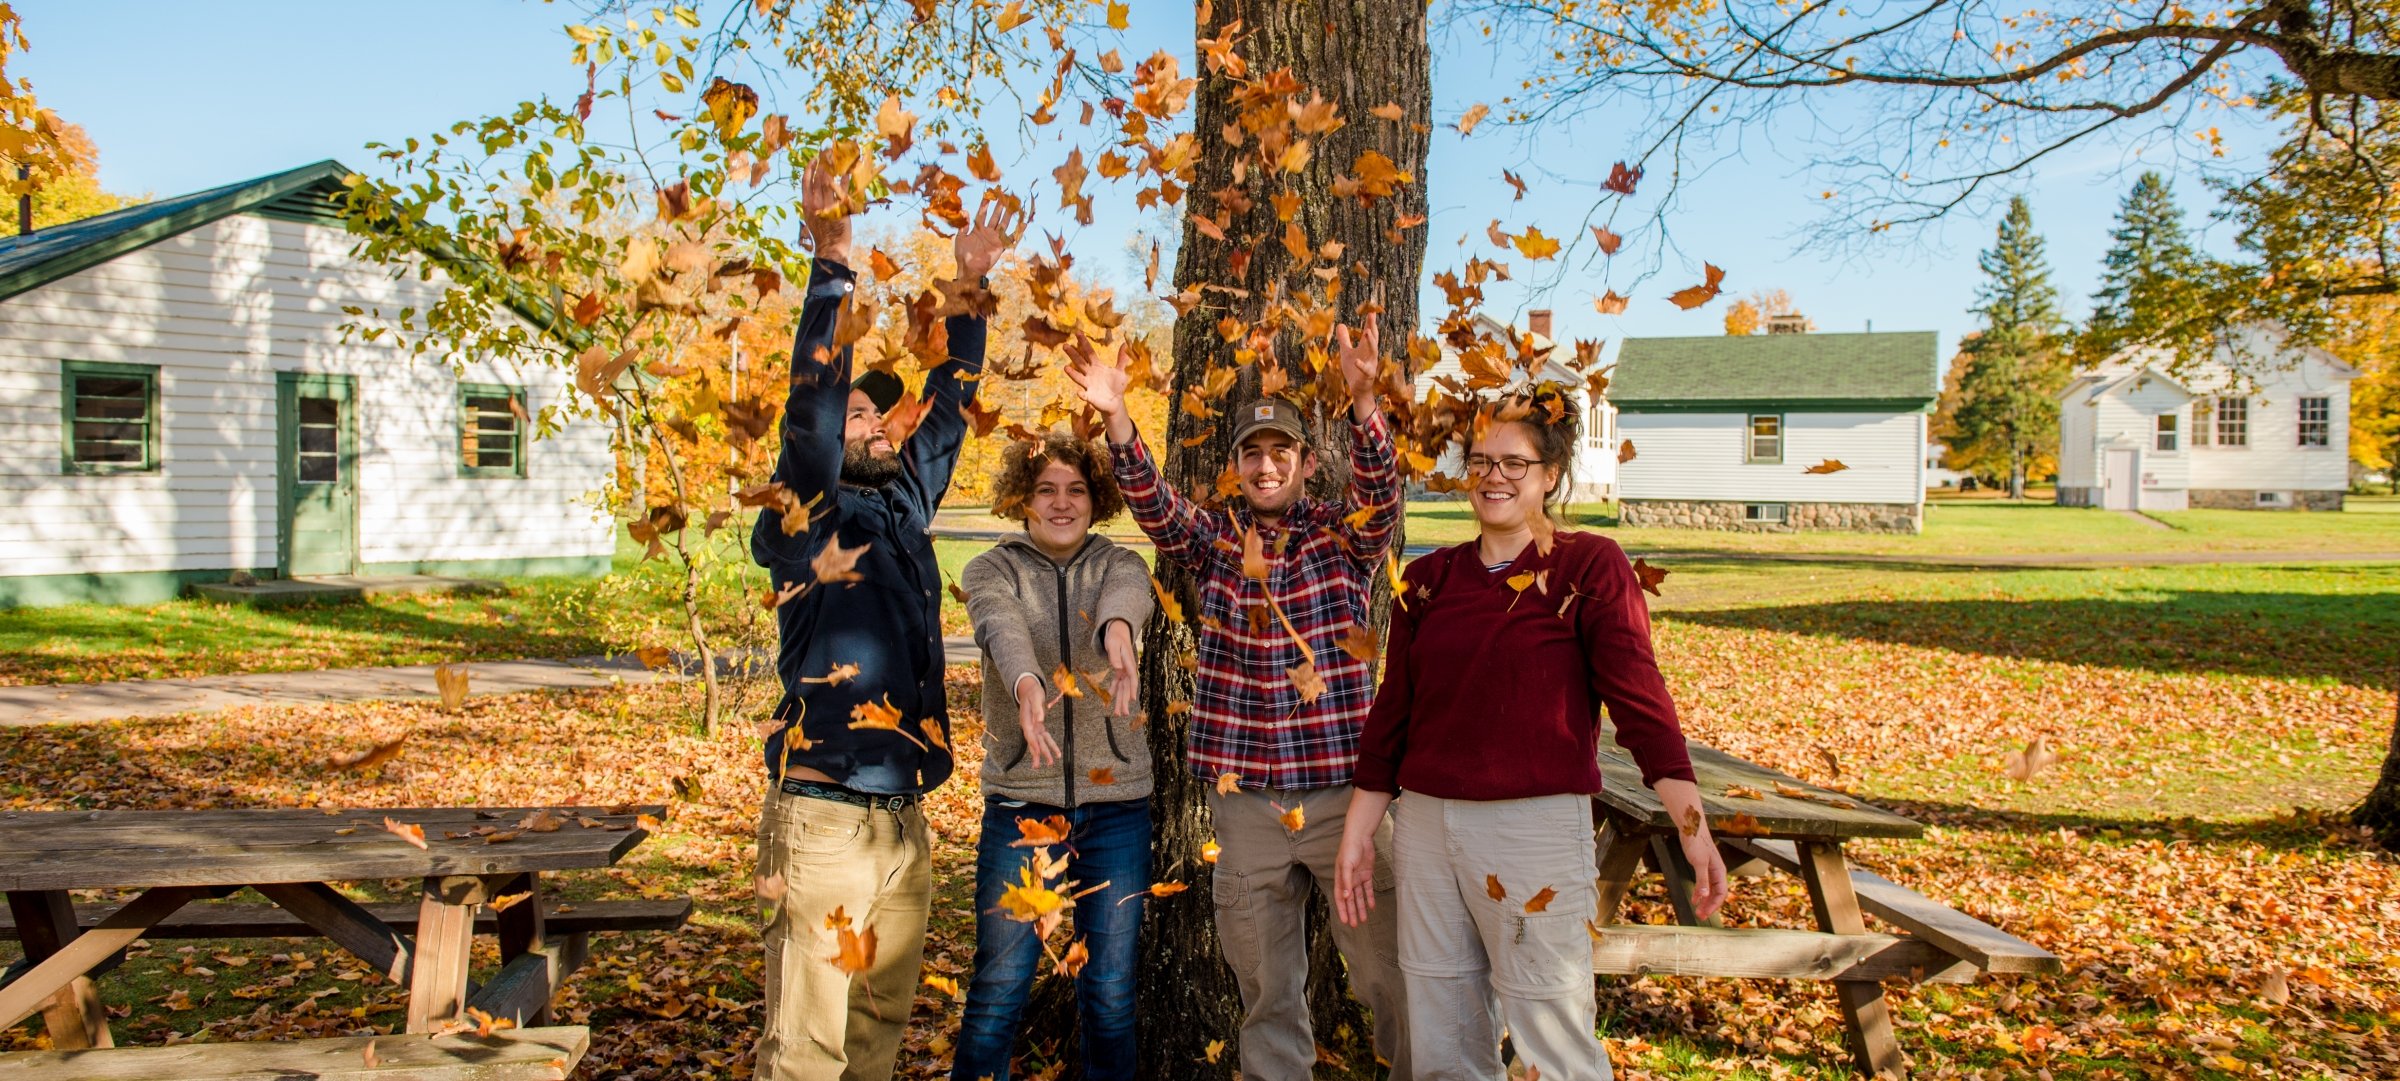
{"type": "Point", "coordinates": [636, 605]}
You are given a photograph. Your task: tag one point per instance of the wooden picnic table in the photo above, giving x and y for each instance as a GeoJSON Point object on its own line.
{"type": "Point", "coordinates": [293, 857]}
{"type": "Point", "coordinates": [1798, 828]}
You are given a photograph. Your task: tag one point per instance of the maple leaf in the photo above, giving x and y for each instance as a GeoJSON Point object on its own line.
{"type": "Point", "coordinates": [1293, 818]}
{"type": "Point", "coordinates": [542, 821]}
{"type": "Point", "coordinates": [1228, 783]}
{"type": "Point", "coordinates": [1609, 242]}
{"type": "Point", "coordinates": [834, 563]}
{"type": "Point", "coordinates": [1621, 179]}
{"type": "Point", "coordinates": [840, 674]}
{"type": "Point", "coordinates": [1650, 576]}
{"type": "Point", "coordinates": [2024, 765]}
{"type": "Point", "coordinates": [1391, 570]}
{"type": "Point", "coordinates": [1389, 110]}
{"type": "Point", "coordinates": [1516, 182]}
{"type": "Point", "coordinates": [1359, 643]}
{"type": "Point", "coordinates": [1693, 296]}
{"type": "Point", "coordinates": [1473, 116]}
{"type": "Point", "coordinates": [897, 126]}
{"type": "Point", "coordinates": [730, 106]}
{"type": "Point", "coordinates": [1829, 465]}
{"type": "Point", "coordinates": [1743, 791]}
{"type": "Point", "coordinates": [1210, 850]}
{"type": "Point", "coordinates": [1071, 963]}
{"type": "Point", "coordinates": [406, 831]}
{"type": "Point", "coordinates": [1492, 886]}
{"type": "Point", "coordinates": [1214, 1050]}
{"type": "Point", "coordinates": [372, 756]}
{"type": "Point", "coordinates": [1536, 246]}
{"type": "Point", "coordinates": [1306, 681]}
{"type": "Point", "coordinates": [1012, 16]}
{"type": "Point", "coordinates": [1105, 775]}
{"type": "Point", "coordinates": [945, 985]}
{"type": "Point", "coordinates": [980, 164]}
{"type": "Point", "coordinates": [687, 788]}
{"type": "Point", "coordinates": [1064, 679]}
{"type": "Point", "coordinates": [1030, 900]}
{"type": "Point", "coordinates": [1254, 555]}
{"type": "Point", "coordinates": [1168, 605]}
{"type": "Point", "coordinates": [1540, 902]}
{"type": "Point", "coordinates": [855, 951]}
{"type": "Point", "coordinates": [1611, 304]}
{"type": "Point", "coordinates": [1625, 452]}
{"type": "Point", "coordinates": [1041, 831]}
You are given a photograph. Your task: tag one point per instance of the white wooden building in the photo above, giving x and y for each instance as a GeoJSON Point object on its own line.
{"type": "Point", "coordinates": [177, 403]}
{"type": "Point", "coordinates": [1726, 428]}
{"type": "Point", "coordinates": [2256, 426]}
{"type": "Point", "coordinates": [1594, 476]}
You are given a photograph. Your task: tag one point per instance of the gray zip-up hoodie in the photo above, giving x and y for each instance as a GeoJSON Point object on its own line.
{"type": "Point", "coordinates": [1030, 614]}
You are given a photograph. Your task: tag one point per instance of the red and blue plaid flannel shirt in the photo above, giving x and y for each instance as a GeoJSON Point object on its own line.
{"type": "Point", "coordinates": [1247, 719]}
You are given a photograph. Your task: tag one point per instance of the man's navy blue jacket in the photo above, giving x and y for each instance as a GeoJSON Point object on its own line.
{"type": "Point", "coordinates": [889, 623]}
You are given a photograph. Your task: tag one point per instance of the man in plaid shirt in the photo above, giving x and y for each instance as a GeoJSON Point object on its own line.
{"type": "Point", "coordinates": [1262, 724]}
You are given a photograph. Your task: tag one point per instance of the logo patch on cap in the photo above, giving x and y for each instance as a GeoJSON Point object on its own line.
{"type": "Point", "coordinates": [1262, 412]}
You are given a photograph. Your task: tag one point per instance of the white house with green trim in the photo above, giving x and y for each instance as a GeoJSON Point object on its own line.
{"type": "Point", "coordinates": [1725, 430]}
{"type": "Point", "coordinates": [178, 402]}
{"type": "Point", "coordinates": [2259, 425]}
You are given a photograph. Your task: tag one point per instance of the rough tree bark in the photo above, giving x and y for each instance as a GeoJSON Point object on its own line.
{"type": "Point", "coordinates": [1359, 54]}
{"type": "Point", "coordinates": [2381, 810]}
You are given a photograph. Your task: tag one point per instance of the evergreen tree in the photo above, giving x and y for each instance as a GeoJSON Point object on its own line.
{"type": "Point", "coordinates": [2006, 405]}
{"type": "Point", "coordinates": [2151, 278]}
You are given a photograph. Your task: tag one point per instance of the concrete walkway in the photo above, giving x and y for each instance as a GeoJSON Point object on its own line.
{"type": "Point", "coordinates": [73, 703]}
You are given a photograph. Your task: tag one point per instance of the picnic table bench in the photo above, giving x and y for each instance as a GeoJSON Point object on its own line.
{"type": "Point", "coordinates": [1797, 828]}
{"type": "Point", "coordinates": [480, 870]}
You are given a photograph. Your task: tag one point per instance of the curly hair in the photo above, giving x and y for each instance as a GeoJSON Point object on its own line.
{"type": "Point", "coordinates": [1022, 463]}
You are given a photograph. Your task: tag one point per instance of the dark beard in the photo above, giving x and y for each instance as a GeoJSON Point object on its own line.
{"type": "Point", "coordinates": [867, 469]}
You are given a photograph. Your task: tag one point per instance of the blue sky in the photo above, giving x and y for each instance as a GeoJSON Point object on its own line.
{"type": "Point", "coordinates": [182, 96]}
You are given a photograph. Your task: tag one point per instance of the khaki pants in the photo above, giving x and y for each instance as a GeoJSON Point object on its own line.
{"type": "Point", "coordinates": [1262, 885]}
{"type": "Point", "coordinates": [1474, 963]}
{"type": "Point", "coordinates": [821, 1024]}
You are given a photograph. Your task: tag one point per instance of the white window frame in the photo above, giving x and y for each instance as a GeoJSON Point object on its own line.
{"type": "Point", "coordinates": [1750, 438]}
{"type": "Point", "coordinates": [2323, 424]}
{"type": "Point", "coordinates": [2166, 433]}
{"type": "Point", "coordinates": [2233, 431]}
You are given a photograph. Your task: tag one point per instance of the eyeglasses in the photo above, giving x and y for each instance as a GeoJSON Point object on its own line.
{"type": "Point", "coordinates": [1511, 468]}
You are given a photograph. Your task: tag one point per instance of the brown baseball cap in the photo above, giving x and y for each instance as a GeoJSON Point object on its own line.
{"type": "Point", "coordinates": [1269, 415]}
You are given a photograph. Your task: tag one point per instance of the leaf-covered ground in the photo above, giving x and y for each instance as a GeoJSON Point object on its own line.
{"type": "Point", "coordinates": [2215, 919]}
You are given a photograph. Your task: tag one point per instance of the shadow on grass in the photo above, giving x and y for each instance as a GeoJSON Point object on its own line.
{"type": "Point", "coordinates": [2349, 638]}
{"type": "Point", "coordinates": [2312, 828]}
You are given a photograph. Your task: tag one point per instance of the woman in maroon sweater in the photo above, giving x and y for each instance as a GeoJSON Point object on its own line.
{"type": "Point", "coordinates": [1502, 652]}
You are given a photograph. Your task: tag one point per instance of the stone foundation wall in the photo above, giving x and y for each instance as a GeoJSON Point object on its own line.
{"type": "Point", "coordinates": [1798, 517]}
{"type": "Point", "coordinates": [2247, 499]}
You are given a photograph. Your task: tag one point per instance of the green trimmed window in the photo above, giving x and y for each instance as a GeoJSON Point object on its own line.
{"type": "Point", "coordinates": [491, 430]}
{"type": "Point", "coordinates": [109, 414]}
{"type": "Point", "coordinates": [1766, 439]}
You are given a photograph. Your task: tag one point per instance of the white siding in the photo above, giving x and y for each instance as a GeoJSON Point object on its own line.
{"type": "Point", "coordinates": [2127, 416]}
{"type": "Point", "coordinates": [2275, 460]}
{"type": "Point", "coordinates": [2078, 465]}
{"type": "Point", "coordinates": [1595, 451]}
{"type": "Point", "coordinates": [2272, 461]}
{"type": "Point", "coordinates": [218, 311]}
{"type": "Point", "coordinates": [1698, 456]}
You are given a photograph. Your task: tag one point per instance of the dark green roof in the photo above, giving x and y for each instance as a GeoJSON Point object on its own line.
{"type": "Point", "coordinates": [1795, 368]}
{"type": "Point", "coordinates": [310, 193]}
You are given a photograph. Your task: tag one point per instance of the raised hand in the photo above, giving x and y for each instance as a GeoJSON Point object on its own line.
{"type": "Point", "coordinates": [999, 223]}
{"type": "Point", "coordinates": [1361, 359]}
{"type": "Point", "coordinates": [821, 208]}
{"type": "Point", "coordinates": [1124, 680]}
{"type": "Point", "coordinates": [1101, 384]}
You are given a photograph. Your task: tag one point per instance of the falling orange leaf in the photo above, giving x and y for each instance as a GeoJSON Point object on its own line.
{"type": "Point", "coordinates": [1744, 824]}
{"type": "Point", "coordinates": [1306, 680]}
{"type": "Point", "coordinates": [406, 831]}
{"type": "Point", "coordinates": [1168, 604]}
{"type": "Point", "coordinates": [1492, 886]}
{"type": "Point", "coordinates": [1650, 576]}
{"type": "Point", "coordinates": [1210, 850]}
{"type": "Point", "coordinates": [1621, 179]}
{"type": "Point", "coordinates": [1829, 465]}
{"type": "Point", "coordinates": [1105, 775]}
{"type": "Point", "coordinates": [1292, 818]}
{"type": "Point", "coordinates": [1609, 242]}
{"type": "Point", "coordinates": [1254, 555]}
{"type": "Point", "coordinates": [1473, 116]}
{"type": "Point", "coordinates": [1624, 452]}
{"type": "Point", "coordinates": [835, 563]}
{"type": "Point", "coordinates": [1540, 902]}
{"type": "Point", "coordinates": [1693, 296]}
{"type": "Point", "coordinates": [1071, 964]}
{"type": "Point", "coordinates": [1041, 831]}
{"type": "Point", "coordinates": [372, 756]}
{"type": "Point", "coordinates": [1389, 110]}
{"type": "Point", "coordinates": [945, 985]}
{"type": "Point", "coordinates": [1611, 304]}
{"type": "Point", "coordinates": [1228, 783]}
{"type": "Point", "coordinates": [856, 951]}
{"type": "Point", "coordinates": [1536, 246]}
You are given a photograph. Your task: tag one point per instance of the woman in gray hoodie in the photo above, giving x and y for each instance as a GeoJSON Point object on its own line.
{"type": "Point", "coordinates": [1056, 609]}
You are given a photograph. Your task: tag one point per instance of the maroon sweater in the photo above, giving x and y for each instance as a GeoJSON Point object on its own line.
{"type": "Point", "coordinates": [1492, 694]}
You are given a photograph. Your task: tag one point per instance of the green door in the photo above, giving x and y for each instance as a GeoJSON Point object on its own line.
{"type": "Point", "coordinates": [316, 435]}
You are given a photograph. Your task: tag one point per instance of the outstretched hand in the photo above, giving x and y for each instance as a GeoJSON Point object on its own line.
{"type": "Point", "coordinates": [821, 208]}
{"type": "Point", "coordinates": [1361, 358]}
{"type": "Point", "coordinates": [1101, 384]}
{"type": "Point", "coordinates": [999, 223]}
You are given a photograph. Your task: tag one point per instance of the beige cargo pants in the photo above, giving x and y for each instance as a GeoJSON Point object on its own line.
{"type": "Point", "coordinates": [876, 867]}
{"type": "Point", "coordinates": [1263, 878]}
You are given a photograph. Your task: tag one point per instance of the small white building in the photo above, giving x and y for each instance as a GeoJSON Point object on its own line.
{"type": "Point", "coordinates": [177, 403]}
{"type": "Point", "coordinates": [1938, 475]}
{"type": "Point", "coordinates": [2138, 433]}
{"type": "Point", "coordinates": [1742, 432]}
{"type": "Point", "coordinates": [1594, 476]}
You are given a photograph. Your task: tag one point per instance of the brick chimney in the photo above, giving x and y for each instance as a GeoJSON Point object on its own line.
{"type": "Point", "coordinates": [1538, 321]}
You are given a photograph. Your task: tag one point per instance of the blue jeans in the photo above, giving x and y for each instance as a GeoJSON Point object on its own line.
{"type": "Point", "coordinates": [1106, 842]}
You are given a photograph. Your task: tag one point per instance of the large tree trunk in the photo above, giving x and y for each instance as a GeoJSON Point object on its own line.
{"type": "Point", "coordinates": [1358, 54]}
{"type": "Point", "coordinates": [2381, 811]}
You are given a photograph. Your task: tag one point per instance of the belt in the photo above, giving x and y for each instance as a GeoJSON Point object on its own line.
{"type": "Point", "coordinates": [874, 801]}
